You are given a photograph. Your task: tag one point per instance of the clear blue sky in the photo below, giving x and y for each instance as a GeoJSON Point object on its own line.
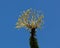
{"type": "Point", "coordinates": [48, 37]}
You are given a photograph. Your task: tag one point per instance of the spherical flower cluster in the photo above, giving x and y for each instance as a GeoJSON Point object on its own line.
{"type": "Point", "coordinates": [30, 19]}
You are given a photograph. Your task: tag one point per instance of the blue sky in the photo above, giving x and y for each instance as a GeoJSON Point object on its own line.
{"type": "Point", "coordinates": [48, 37]}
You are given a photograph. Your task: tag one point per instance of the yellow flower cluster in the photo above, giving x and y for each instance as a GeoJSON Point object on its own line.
{"type": "Point", "coordinates": [29, 19]}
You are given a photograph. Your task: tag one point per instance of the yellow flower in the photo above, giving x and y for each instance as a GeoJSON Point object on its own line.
{"type": "Point", "coordinates": [29, 19]}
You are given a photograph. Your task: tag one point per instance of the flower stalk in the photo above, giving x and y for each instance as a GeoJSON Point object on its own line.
{"type": "Point", "coordinates": [31, 20]}
{"type": "Point", "coordinates": [33, 40]}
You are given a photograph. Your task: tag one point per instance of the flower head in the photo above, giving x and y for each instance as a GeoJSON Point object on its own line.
{"type": "Point", "coordinates": [30, 19]}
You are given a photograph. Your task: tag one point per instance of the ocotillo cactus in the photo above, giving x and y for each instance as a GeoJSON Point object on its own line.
{"type": "Point", "coordinates": [31, 19]}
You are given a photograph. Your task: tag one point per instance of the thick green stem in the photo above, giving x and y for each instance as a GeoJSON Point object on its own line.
{"type": "Point", "coordinates": [33, 40]}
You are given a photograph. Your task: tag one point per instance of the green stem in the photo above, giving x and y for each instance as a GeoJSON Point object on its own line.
{"type": "Point", "coordinates": [33, 40]}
